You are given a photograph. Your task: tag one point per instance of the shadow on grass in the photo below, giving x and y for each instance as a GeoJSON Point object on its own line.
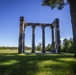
{"type": "Point", "coordinates": [36, 64]}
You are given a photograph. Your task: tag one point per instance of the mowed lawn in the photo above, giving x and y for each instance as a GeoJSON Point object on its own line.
{"type": "Point", "coordinates": [12, 63]}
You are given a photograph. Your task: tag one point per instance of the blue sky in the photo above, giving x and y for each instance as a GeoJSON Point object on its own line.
{"type": "Point", "coordinates": [11, 10]}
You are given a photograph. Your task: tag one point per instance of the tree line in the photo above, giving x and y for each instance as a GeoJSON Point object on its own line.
{"type": "Point", "coordinates": [67, 45]}
{"type": "Point", "coordinates": [6, 48]}
{"type": "Point", "coordinates": [13, 48]}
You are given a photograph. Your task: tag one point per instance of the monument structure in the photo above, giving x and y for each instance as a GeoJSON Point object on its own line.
{"type": "Point", "coordinates": [55, 35]}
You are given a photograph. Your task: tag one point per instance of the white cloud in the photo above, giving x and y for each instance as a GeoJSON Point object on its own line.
{"type": "Point", "coordinates": [68, 37]}
{"type": "Point", "coordinates": [64, 38]}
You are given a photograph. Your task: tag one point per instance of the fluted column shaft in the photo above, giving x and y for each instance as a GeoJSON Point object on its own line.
{"type": "Point", "coordinates": [43, 39]}
{"type": "Point", "coordinates": [52, 30]}
{"type": "Point", "coordinates": [21, 36]}
{"type": "Point", "coordinates": [33, 39]}
{"type": "Point", "coordinates": [58, 36]}
{"type": "Point", "coordinates": [24, 41]}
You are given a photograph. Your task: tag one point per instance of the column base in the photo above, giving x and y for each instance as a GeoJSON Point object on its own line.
{"type": "Point", "coordinates": [43, 51]}
{"type": "Point", "coordinates": [33, 52]}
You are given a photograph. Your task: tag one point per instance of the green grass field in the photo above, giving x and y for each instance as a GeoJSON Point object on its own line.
{"type": "Point", "coordinates": [12, 63]}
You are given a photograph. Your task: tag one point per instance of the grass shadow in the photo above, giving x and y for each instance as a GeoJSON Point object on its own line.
{"type": "Point", "coordinates": [36, 64]}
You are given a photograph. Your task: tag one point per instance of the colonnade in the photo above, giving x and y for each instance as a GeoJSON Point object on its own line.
{"type": "Point", "coordinates": [55, 35]}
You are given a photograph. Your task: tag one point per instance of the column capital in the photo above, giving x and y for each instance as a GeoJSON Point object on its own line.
{"type": "Point", "coordinates": [51, 27]}
{"type": "Point", "coordinates": [33, 26]}
{"type": "Point", "coordinates": [24, 26]}
{"type": "Point", "coordinates": [42, 26]}
{"type": "Point", "coordinates": [57, 19]}
{"type": "Point", "coordinates": [21, 18]}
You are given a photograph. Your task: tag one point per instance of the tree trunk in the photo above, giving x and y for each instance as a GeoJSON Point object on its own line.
{"type": "Point", "coordinates": [72, 4]}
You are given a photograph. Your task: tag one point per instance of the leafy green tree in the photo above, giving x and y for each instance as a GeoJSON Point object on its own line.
{"type": "Point", "coordinates": [71, 49]}
{"type": "Point", "coordinates": [67, 44]}
{"type": "Point", "coordinates": [39, 47]}
{"type": "Point", "coordinates": [48, 47]}
{"type": "Point", "coordinates": [62, 48]}
{"type": "Point", "coordinates": [59, 4]}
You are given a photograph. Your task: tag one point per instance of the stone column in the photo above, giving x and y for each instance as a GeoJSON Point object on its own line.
{"type": "Point", "coordinates": [52, 31]}
{"type": "Point", "coordinates": [33, 39]}
{"type": "Point", "coordinates": [58, 45]}
{"type": "Point", "coordinates": [43, 39]}
{"type": "Point", "coordinates": [24, 41]}
{"type": "Point", "coordinates": [21, 36]}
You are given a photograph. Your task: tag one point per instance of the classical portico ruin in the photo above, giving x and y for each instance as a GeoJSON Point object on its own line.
{"type": "Point", "coordinates": [55, 35]}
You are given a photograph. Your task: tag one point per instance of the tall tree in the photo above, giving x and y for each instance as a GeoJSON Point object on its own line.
{"type": "Point", "coordinates": [48, 47]}
{"type": "Point", "coordinates": [39, 46]}
{"type": "Point", "coordinates": [67, 44]}
{"type": "Point", "coordinates": [59, 4]}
